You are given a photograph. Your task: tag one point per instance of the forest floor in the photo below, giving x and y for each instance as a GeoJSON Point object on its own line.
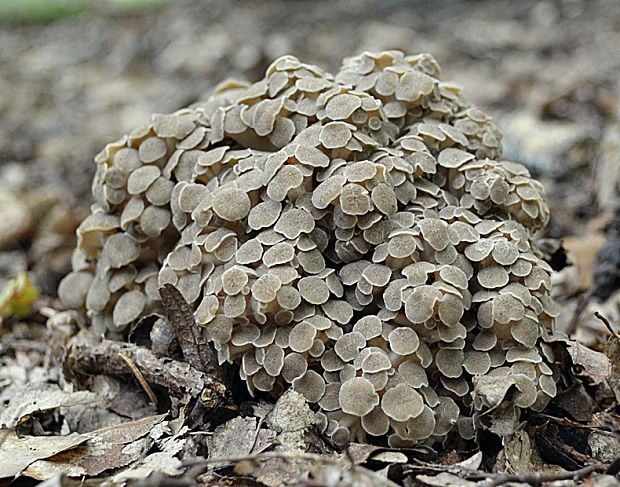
{"type": "Point", "coordinates": [547, 71]}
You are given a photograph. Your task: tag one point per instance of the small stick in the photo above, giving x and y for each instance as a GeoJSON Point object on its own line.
{"type": "Point", "coordinates": [140, 378]}
{"type": "Point", "coordinates": [537, 479]}
{"type": "Point", "coordinates": [301, 456]}
{"type": "Point", "coordinates": [582, 303]}
{"type": "Point", "coordinates": [257, 432]}
{"type": "Point", "coordinates": [605, 322]}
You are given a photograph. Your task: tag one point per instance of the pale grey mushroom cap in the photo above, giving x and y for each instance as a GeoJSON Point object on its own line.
{"type": "Point", "coordinates": [356, 237]}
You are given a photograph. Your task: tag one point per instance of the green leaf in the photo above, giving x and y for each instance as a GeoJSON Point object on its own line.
{"type": "Point", "coordinates": [17, 297]}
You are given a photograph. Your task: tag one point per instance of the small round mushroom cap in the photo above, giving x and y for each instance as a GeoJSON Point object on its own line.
{"type": "Point", "coordinates": [357, 396]}
{"type": "Point", "coordinates": [493, 276]}
{"type": "Point", "coordinates": [368, 326]}
{"type": "Point", "coordinates": [295, 365]}
{"type": "Point", "coordinates": [294, 222]}
{"type": "Point", "coordinates": [403, 340]}
{"type": "Point", "coordinates": [450, 362]}
{"type": "Point", "coordinates": [453, 158]}
{"type": "Point", "coordinates": [376, 422]}
{"type": "Point", "coordinates": [231, 204]}
{"type": "Point", "coordinates": [338, 310]}
{"type": "Point", "coordinates": [313, 289]}
{"type": "Point", "coordinates": [402, 403]}
{"type": "Point", "coordinates": [128, 308]}
{"type": "Point", "coordinates": [121, 250]}
{"type": "Point", "coordinates": [311, 385]}
{"type": "Point", "coordinates": [154, 220]}
{"type": "Point", "coordinates": [265, 288]}
{"type": "Point", "coordinates": [264, 214]}
{"type": "Point", "coordinates": [354, 199]}
{"type": "Point", "coordinates": [413, 373]}
{"type": "Point", "coordinates": [301, 338]}
{"type": "Point", "coordinates": [244, 334]}
{"type": "Point", "coordinates": [420, 305]}
{"type": "Point", "coordinates": [73, 288]}
{"type": "Point", "coordinates": [335, 135]}
{"type": "Point", "coordinates": [412, 85]}
{"type": "Point", "coordinates": [152, 149]}
{"type": "Point", "coordinates": [525, 331]}
{"type": "Point", "coordinates": [477, 363]}
{"type": "Point", "coordinates": [273, 362]}
{"type": "Point", "coordinates": [348, 345]}
{"type": "Point", "coordinates": [422, 426]}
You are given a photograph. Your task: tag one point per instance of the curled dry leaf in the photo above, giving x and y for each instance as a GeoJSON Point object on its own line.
{"type": "Point", "coordinates": [596, 365]}
{"type": "Point", "coordinates": [105, 449]}
{"type": "Point", "coordinates": [17, 452]}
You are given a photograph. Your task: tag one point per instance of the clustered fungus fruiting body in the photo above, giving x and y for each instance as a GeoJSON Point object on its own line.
{"type": "Point", "coordinates": [356, 237]}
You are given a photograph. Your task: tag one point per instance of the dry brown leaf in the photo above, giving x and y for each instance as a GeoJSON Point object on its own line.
{"type": "Point", "coordinates": [596, 365]}
{"type": "Point", "coordinates": [17, 453]}
{"type": "Point", "coordinates": [194, 345]}
{"type": "Point", "coordinates": [106, 449]}
{"type": "Point", "coordinates": [518, 452]}
{"type": "Point", "coordinates": [238, 437]}
{"type": "Point", "coordinates": [34, 398]}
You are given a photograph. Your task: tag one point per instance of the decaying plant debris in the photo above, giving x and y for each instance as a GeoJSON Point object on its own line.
{"type": "Point", "coordinates": [354, 253]}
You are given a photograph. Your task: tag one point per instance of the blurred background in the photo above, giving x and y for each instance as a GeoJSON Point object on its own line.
{"type": "Point", "coordinates": [76, 74]}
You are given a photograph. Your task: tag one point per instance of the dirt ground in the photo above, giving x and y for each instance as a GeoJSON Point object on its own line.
{"type": "Point", "coordinates": [547, 71]}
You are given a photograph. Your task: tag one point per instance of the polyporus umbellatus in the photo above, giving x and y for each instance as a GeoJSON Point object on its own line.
{"type": "Point", "coordinates": [356, 237]}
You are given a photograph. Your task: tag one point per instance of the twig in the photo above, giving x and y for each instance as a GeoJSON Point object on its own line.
{"type": "Point", "coordinates": [575, 424]}
{"type": "Point", "coordinates": [312, 457]}
{"type": "Point", "coordinates": [605, 322]}
{"type": "Point", "coordinates": [257, 432]}
{"type": "Point", "coordinates": [537, 479]}
{"type": "Point", "coordinates": [139, 377]}
{"type": "Point", "coordinates": [582, 303]}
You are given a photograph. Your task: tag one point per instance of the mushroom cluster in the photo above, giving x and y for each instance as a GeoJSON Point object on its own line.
{"type": "Point", "coordinates": [354, 237]}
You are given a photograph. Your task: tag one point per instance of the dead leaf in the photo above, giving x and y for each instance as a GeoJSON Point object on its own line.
{"type": "Point", "coordinates": [491, 389]}
{"type": "Point", "coordinates": [605, 446]}
{"type": "Point", "coordinates": [195, 347]}
{"type": "Point", "coordinates": [612, 351]}
{"type": "Point", "coordinates": [390, 457]}
{"type": "Point", "coordinates": [162, 462]}
{"type": "Point", "coordinates": [577, 402]}
{"type": "Point", "coordinates": [361, 452]}
{"type": "Point", "coordinates": [596, 365]}
{"type": "Point", "coordinates": [292, 418]}
{"type": "Point", "coordinates": [518, 452]}
{"type": "Point", "coordinates": [106, 449]}
{"type": "Point", "coordinates": [471, 463]}
{"type": "Point", "coordinates": [501, 419]}
{"type": "Point", "coordinates": [17, 453]}
{"type": "Point", "coordinates": [238, 437]}
{"type": "Point", "coordinates": [34, 398]}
